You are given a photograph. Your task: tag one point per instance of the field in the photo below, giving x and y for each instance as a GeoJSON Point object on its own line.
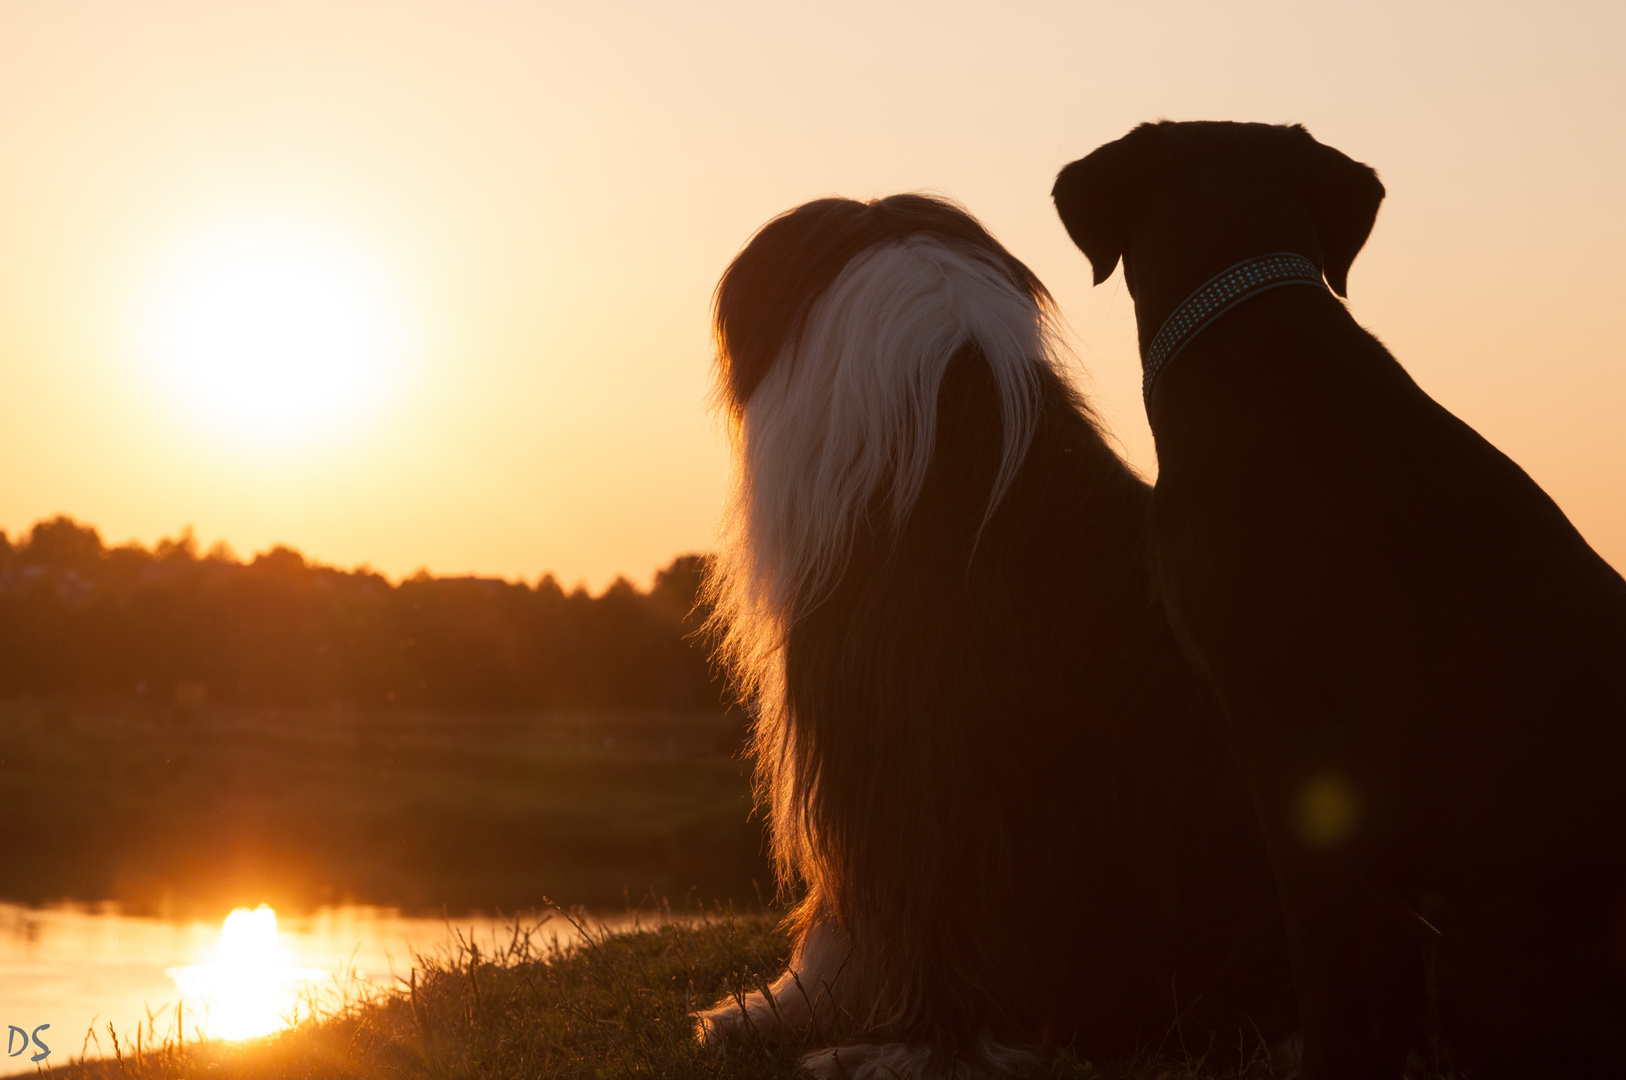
{"type": "Point", "coordinates": [166, 808]}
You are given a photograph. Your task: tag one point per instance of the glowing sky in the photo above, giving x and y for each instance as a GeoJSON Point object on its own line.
{"type": "Point", "coordinates": [541, 196]}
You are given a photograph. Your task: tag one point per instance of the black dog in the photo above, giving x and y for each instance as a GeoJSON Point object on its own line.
{"type": "Point", "coordinates": [1008, 797]}
{"type": "Point", "coordinates": [1423, 662]}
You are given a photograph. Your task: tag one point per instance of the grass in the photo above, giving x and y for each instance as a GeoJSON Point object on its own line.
{"type": "Point", "coordinates": [616, 1005]}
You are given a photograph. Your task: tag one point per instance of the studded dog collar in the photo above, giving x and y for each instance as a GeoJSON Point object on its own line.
{"type": "Point", "coordinates": [1215, 297]}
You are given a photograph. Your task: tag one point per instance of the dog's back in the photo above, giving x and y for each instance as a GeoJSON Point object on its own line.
{"type": "Point", "coordinates": [1004, 694]}
{"type": "Point", "coordinates": [1434, 612]}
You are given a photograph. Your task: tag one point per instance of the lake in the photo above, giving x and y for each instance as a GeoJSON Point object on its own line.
{"type": "Point", "coordinates": [79, 968]}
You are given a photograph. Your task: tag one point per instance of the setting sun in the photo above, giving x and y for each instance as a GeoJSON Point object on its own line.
{"type": "Point", "coordinates": [273, 333]}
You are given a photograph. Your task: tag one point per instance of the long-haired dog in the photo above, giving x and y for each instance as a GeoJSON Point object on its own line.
{"type": "Point", "coordinates": [976, 740]}
{"type": "Point", "coordinates": [1423, 657]}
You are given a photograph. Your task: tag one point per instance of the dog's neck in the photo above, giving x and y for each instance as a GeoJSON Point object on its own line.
{"type": "Point", "coordinates": [1202, 227]}
{"type": "Point", "coordinates": [1234, 285]}
{"type": "Point", "coordinates": [1183, 249]}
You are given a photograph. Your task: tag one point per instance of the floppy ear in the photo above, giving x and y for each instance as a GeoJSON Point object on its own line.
{"type": "Point", "coordinates": [1342, 196]}
{"type": "Point", "coordinates": [1100, 198]}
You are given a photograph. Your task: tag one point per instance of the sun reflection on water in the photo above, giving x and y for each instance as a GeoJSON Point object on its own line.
{"type": "Point", "coordinates": [248, 986]}
{"type": "Point", "coordinates": [83, 967]}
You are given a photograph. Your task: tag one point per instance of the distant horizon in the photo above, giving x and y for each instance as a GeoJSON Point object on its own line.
{"type": "Point", "coordinates": [221, 549]}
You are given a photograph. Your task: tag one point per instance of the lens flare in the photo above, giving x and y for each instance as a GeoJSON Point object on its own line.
{"type": "Point", "coordinates": [1329, 811]}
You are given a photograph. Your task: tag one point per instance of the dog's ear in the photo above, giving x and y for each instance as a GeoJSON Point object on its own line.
{"type": "Point", "coordinates": [1100, 198]}
{"type": "Point", "coordinates": [1342, 196]}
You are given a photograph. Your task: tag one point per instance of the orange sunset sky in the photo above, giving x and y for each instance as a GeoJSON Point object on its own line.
{"type": "Point", "coordinates": [425, 284]}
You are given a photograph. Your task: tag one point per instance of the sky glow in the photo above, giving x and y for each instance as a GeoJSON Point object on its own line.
{"type": "Point", "coordinates": [528, 206]}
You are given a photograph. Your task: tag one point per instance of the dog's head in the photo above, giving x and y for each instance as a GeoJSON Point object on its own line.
{"type": "Point", "coordinates": [835, 327]}
{"type": "Point", "coordinates": [764, 298]}
{"type": "Point", "coordinates": [1217, 191]}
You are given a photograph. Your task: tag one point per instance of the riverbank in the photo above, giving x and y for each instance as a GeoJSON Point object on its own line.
{"type": "Point", "coordinates": [615, 1005]}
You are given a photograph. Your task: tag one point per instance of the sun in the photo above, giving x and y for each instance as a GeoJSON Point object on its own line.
{"type": "Point", "coordinates": [273, 333]}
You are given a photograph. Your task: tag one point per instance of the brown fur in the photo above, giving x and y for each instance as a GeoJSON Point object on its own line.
{"type": "Point", "coordinates": [984, 759]}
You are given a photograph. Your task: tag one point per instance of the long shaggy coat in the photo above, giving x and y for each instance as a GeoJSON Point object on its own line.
{"type": "Point", "coordinates": [1003, 795]}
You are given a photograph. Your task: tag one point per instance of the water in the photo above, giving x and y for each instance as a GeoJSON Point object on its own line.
{"type": "Point", "coordinates": [79, 968]}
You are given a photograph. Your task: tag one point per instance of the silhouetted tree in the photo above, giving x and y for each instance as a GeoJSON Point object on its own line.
{"type": "Point", "coordinates": [79, 617]}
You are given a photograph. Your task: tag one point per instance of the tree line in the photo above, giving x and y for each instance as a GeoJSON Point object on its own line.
{"type": "Point", "coordinates": [168, 624]}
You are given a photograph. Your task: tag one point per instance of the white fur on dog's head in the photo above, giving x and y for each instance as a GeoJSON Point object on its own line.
{"type": "Point", "coordinates": [848, 415]}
